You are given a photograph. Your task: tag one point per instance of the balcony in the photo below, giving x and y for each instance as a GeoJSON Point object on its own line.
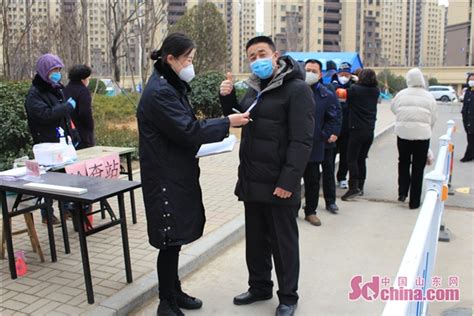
{"type": "Point", "coordinates": [332, 6]}
{"type": "Point", "coordinates": [332, 27]}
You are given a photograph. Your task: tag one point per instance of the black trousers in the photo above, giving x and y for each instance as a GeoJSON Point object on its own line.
{"type": "Point", "coordinates": [469, 154]}
{"type": "Point", "coordinates": [411, 155]}
{"type": "Point", "coordinates": [357, 151]}
{"type": "Point", "coordinates": [342, 143]}
{"type": "Point", "coordinates": [329, 181]}
{"type": "Point", "coordinates": [311, 178]}
{"type": "Point", "coordinates": [272, 230]}
{"type": "Point", "coordinates": [167, 267]}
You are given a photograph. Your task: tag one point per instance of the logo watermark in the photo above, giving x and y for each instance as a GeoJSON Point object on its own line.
{"type": "Point", "coordinates": [380, 288]}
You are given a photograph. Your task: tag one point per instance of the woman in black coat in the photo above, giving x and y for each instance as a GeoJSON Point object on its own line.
{"type": "Point", "coordinates": [169, 138]}
{"type": "Point", "coordinates": [468, 119]}
{"type": "Point", "coordinates": [82, 116]}
{"type": "Point", "coordinates": [362, 101]}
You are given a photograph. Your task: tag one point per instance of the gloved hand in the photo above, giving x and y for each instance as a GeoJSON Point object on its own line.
{"type": "Point", "coordinates": [72, 102]}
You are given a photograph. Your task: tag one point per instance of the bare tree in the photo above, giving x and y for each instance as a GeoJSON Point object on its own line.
{"type": "Point", "coordinates": [118, 22]}
{"type": "Point", "coordinates": [154, 16]}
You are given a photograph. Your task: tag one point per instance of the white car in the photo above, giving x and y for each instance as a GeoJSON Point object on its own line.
{"type": "Point", "coordinates": [443, 93]}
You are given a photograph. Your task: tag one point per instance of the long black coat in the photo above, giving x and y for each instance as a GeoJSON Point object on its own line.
{"type": "Point", "coordinates": [82, 114]}
{"type": "Point", "coordinates": [46, 110]}
{"type": "Point", "coordinates": [276, 146]}
{"type": "Point", "coordinates": [468, 111]}
{"type": "Point", "coordinates": [170, 137]}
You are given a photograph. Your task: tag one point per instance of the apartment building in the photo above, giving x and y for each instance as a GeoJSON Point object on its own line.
{"type": "Point", "coordinates": [459, 34]}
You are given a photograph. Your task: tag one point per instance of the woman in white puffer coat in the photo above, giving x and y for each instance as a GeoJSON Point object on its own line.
{"type": "Point", "coordinates": [415, 110]}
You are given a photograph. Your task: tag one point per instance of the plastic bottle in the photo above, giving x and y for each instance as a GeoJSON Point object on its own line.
{"type": "Point", "coordinates": [20, 263]}
{"type": "Point", "coordinates": [71, 154]}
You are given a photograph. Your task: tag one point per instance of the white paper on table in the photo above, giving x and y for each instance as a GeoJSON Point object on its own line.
{"type": "Point", "coordinates": [15, 174]}
{"type": "Point", "coordinates": [226, 145]}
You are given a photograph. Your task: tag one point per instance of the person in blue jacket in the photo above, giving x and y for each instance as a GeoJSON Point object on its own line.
{"type": "Point", "coordinates": [326, 124]}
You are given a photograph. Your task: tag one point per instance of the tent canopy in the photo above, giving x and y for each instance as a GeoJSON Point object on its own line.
{"type": "Point", "coordinates": [338, 58]}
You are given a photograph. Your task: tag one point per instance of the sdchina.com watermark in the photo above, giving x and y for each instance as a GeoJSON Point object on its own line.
{"type": "Point", "coordinates": [380, 288]}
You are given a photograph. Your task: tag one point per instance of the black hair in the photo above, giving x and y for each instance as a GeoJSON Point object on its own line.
{"type": "Point", "coordinates": [315, 61]}
{"type": "Point", "coordinates": [260, 39]}
{"type": "Point", "coordinates": [79, 72]}
{"type": "Point", "coordinates": [368, 78]}
{"type": "Point", "coordinates": [175, 44]}
{"type": "Point", "coordinates": [469, 74]}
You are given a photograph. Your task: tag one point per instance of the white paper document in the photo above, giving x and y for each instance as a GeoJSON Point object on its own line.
{"type": "Point", "coordinates": [224, 146]}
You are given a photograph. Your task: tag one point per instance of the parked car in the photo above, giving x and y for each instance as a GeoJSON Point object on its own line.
{"type": "Point", "coordinates": [443, 93]}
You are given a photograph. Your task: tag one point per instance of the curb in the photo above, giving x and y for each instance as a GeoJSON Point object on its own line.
{"type": "Point", "coordinates": [191, 259]}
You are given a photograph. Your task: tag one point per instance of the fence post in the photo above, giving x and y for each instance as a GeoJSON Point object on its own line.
{"type": "Point", "coordinates": [444, 141]}
{"type": "Point", "coordinates": [452, 128]}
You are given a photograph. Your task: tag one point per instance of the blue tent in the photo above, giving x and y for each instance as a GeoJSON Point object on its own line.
{"type": "Point", "coordinates": [338, 58]}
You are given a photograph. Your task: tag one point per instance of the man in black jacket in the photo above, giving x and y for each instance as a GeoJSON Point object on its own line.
{"type": "Point", "coordinates": [327, 125]}
{"type": "Point", "coordinates": [274, 151]}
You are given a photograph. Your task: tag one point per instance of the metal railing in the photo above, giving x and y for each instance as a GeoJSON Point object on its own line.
{"type": "Point", "coordinates": [420, 254]}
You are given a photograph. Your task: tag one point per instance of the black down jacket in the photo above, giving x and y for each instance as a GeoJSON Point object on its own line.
{"type": "Point", "coordinates": [276, 145]}
{"type": "Point", "coordinates": [169, 138]}
{"type": "Point", "coordinates": [468, 111]}
{"type": "Point", "coordinates": [46, 110]}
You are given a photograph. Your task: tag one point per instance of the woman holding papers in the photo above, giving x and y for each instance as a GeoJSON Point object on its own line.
{"type": "Point", "coordinates": [170, 137]}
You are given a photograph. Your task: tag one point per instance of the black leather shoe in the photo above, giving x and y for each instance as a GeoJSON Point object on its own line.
{"type": "Point", "coordinates": [188, 302]}
{"type": "Point", "coordinates": [249, 298]}
{"type": "Point", "coordinates": [168, 308]}
{"type": "Point", "coordinates": [285, 310]}
{"type": "Point", "coordinates": [332, 208]}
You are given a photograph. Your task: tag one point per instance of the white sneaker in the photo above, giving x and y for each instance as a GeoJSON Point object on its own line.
{"type": "Point", "coordinates": [343, 184]}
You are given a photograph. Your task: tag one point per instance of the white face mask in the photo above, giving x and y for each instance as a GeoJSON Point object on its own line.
{"type": "Point", "coordinates": [187, 73]}
{"type": "Point", "coordinates": [343, 80]}
{"type": "Point", "coordinates": [471, 83]}
{"type": "Point", "coordinates": [311, 78]}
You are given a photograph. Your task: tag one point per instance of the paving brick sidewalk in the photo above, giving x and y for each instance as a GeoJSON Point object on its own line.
{"type": "Point", "coordinates": [58, 288]}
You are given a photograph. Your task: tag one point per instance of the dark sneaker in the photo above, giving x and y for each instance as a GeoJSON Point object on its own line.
{"type": "Point", "coordinates": [349, 195]}
{"type": "Point", "coordinates": [188, 302]}
{"type": "Point", "coordinates": [168, 308]}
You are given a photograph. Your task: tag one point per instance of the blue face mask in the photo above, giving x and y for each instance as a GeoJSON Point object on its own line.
{"type": "Point", "coordinates": [262, 68]}
{"type": "Point", "coordinates": [55, 77]}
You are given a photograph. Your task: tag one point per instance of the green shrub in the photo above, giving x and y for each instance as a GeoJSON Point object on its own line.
{"type": "Point", "coordinates": [101, 88]}
{"type": "Point", "coordinates": [107, 135]}
{"type": "Point", "coordinates": [205, 94]}
{"type": "Point", "coordinates": [115, 109]}
{"type": "Point", "coordinates": [15, 138]}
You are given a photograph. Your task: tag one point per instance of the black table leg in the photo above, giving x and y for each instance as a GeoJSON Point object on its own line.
{"type": "Point", "coordinates": [132, 193]}
{"type": "Point", "coordinates": [7, 229]}
{"type": "Point", "coordinates": [62, 214]}
{"type": "Point", "coordinates": [78, 213]}
{"type": "Point", "coordinates": [126, 250]}
{"type": "Point", "coordinates": [49, 216]}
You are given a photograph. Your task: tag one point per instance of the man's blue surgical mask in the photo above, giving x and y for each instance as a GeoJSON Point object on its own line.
{"type": "Point", "coordinates": [262, 67]}
{"type": "Point", "coordinates": [55, 77]}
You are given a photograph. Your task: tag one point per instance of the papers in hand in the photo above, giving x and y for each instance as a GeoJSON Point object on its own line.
{"type": "Point", "coordinates": [217, 148]}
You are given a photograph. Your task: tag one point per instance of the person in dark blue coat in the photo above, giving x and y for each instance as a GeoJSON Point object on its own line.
{"type": "Point", "coordinates": [169, 139]}
{"type": "Point", "coordinates": [468, 119]}
{"type": "Point", "coordinates": [326, 122]}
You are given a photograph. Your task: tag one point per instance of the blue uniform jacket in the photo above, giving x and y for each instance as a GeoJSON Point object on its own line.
{"type": "Point", "coordinates": [327, 121]}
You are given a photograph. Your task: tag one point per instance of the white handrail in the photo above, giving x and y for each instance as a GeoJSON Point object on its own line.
{"type": "Point", "coordinates": [420, 254]}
